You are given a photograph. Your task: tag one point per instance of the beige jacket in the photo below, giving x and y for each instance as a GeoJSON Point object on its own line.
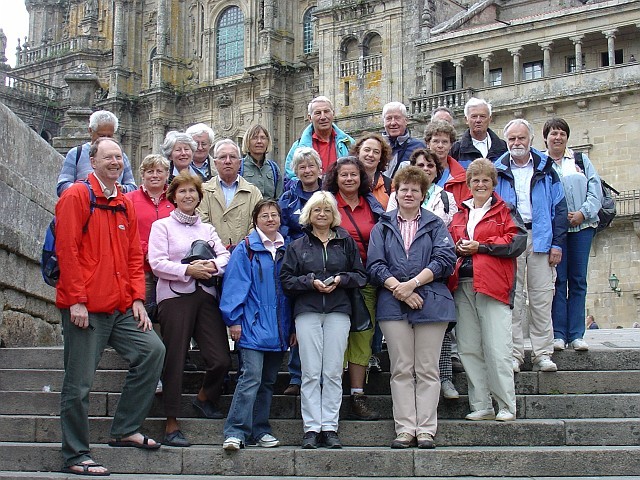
{"type": "Point", "coordinates": [232, 223]}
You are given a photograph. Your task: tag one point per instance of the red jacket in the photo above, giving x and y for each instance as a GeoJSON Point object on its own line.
{"type": "Point", "coordinates": [457, 185]}
{"type": "Point", "coordinates": [101, 267]}
{"type": "Point", "coordinates": [147, 213]}
{"type": "Point", "coordinates": [502, 239]}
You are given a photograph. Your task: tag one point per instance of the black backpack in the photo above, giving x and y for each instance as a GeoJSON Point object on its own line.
{"type": "Point", "coordinates": [608, 211]}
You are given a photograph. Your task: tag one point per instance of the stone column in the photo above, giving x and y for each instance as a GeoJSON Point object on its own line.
{"type": "Point", "coordinates": [611, 45]}
{"type": "Point", "coordinates": [458, 63]}
{"type": "Point", "coordinates": [486, 67]}
{"type": "Point", "coordinates": [577, 42]}
{"type": "Point", "coordinates": [427, 74]}
{"type": "Point", "coordinates": [267, 106]}
{"type": "Point", "coordinates": [118, 34]}
{"type": "Point", "coordinates": [161, 29]}
{"type": "Point", "coordinates": [546, 53]}
{"type": "Point", "coordinates": [269, 8]}
{"type": "Point", "coordinates": [515, 53]}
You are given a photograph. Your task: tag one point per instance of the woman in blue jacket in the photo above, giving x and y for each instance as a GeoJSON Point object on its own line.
{"type": "Point", "coordinates": [257, 313]}
{"type": "Point", "coordinates": [410, 257]}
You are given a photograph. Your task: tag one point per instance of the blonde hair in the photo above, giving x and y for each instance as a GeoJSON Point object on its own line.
{"type": "Point", "coordinates": [321, 198]}
{"type": "Point", "coordinates": [153, 160]}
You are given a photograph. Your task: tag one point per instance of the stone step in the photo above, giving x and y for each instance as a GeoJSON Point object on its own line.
{"type": "Point", "coordinates": [451, 433]}
{"type": "Point", "coordinates": [526, 383]}
{"type": "Point", "coordinates": [352, 461]}
{"type": "Point", "coordinates": [607, 356]}
{"type": "Point", "coordinates": [624, 405]}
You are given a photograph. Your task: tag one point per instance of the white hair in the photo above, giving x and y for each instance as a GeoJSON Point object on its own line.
{"type": "Point", "coordinates": [476, 102]}
{"type": "Point", "coordinates": [199, 129]}
{"type": "Point", "coordinates": [518, 121]}
{"type": "Point", "coordinates": [102, 117]}
{"type": "Point", "coordinates": [394, 106]}
{"type": "Point", "coordinates": [305, 153]}
{"type": "Point", "coordinates": [225, 141]}
{"type": "Point", "coordinates": [320, 98]}
{"type": "Point", "coordinates": [174, 137]}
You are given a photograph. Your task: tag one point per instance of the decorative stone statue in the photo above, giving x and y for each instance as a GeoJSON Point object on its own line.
{"type": "Point", "coordinates": [3, 46]}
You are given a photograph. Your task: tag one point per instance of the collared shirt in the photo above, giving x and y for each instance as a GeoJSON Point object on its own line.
{"type": "Point", "coordinates": [408, 229]}
{"type": "Point", "coordinates": [203, 169]}
{"type": "Point", "coordinates": [109, 194]}
{"type": "Point", "coordinates": [326, 149]}
{"type": "Point", "coordinates": [522, 176]}
{"type": "Point", "coordinates": [271, 246]}
{"type": "Point", "coordinates": [482, 146]}
{"type": "Point", "coordinates": [229, 190]}
{"type": "Point", "coordinates": [476, 214]}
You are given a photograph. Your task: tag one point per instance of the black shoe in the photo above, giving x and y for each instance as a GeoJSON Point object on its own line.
{"type": "Point", "coordinates": [456, 365]}
{"type": "Point", "coordinates": [311, 439]}
{"type": "Point", "coordinates": [292, 389]}
{"type": "Point", "coordinates": [331, 440]}
{"type": "Point", "coordinates": [206, 409]}
{"type": "Point", "coordinates": [360, 410]}
{"type": "Point", "coordinates": [175, 439]}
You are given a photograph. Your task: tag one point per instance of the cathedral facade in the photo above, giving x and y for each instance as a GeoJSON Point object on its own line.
{"type": "Point", "coordinates": [166, 64]}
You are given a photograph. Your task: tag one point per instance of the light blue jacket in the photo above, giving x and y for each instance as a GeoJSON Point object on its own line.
{"type": "Point", "coordinates": [548, 205]}
{"type": "Point", "coordinates": [252, 297]}
{"type": "Point", "coordinates": [343, 144]}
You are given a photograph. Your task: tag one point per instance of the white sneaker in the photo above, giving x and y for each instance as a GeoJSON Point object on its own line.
{"type": "Point", "coordinates": [232, 444]}
{"type": "Point", "coordinates": [268, 441]}
{"type": "Point", "coordinates": [559, 345]}
{"type": "Point", "coordinates": [516, 365]}
{"type": "Point", "coordinates": [505, 415]}
{"type": "Point", "coordinates": [544, 364]}
{"type": "Point", "coordinates": [487, 414]}
{"type": "Point", "coordinates": [580, 345]}
{"type": "Point", "coordinates": [448, 390]}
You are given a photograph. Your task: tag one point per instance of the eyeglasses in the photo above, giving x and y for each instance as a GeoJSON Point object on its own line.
{"type": "Point", "coordinates": [203, 144]}
{"type": "Point", "coordinates": [266, 216]}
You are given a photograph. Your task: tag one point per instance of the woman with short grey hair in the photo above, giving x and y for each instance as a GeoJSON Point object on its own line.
{"type": "Point", "coordinates": [178, 148]}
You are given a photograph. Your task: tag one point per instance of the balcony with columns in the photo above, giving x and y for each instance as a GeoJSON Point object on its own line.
{"type": "Point", "coordinates": [571, 68]}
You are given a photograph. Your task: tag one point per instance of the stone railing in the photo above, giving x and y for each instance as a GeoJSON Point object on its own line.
{"type": "Point", "coordinates": [628, 203]}
{"type": "Point", "coordinates": [32, 87]}
{"type": "Point", "coordinates": [370, 63]}
{"type": "Point", "coordinates": [34, 54]}
{"type": "Point", "coordinates": [452, 99]}
{"type": "Point", "coordinates": [349, 68]}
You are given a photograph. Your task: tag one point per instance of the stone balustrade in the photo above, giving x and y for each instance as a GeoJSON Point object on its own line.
{"type": "Point", "coordinates": [35, 54]}
{"type": "Point", "coordinates": [452, 99]}
{"type": "Point", "coordinates": [32, 87]}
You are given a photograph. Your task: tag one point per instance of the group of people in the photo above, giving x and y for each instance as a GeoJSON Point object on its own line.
{"type": "Point", "coordinates": [419, 235]}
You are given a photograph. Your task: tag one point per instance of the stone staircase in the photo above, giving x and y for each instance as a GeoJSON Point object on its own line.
{"type": "Point", "coordinates": [581, 421]}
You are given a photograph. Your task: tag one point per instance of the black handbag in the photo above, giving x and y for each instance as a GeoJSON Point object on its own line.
{"type": "Point", "coordinates": [202, 250]}
{"type": "Point", "coordinates": [360, 318]}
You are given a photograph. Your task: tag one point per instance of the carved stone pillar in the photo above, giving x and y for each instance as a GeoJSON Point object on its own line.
{"type": "Point", "coordinates": [515, 53]}
{"type": "Point", "coordinates": [118, 34]}
{"type": "Point", "coordinates": [427, 74]}
{"type": "Point", "coordinates": [161, 29]}
{"type": "Point", "coordinates": [577, 42]}
{"type": "Point", "coordinates": [268, 104]}
{"type": "Point", "coordinates": [486, 68]}
{"type": "Point", "coordinates": [546, 53]}
{"type": "Point", "coordinates": [458, 63]}
{"type": "Point", "coordinates": [611, 45]}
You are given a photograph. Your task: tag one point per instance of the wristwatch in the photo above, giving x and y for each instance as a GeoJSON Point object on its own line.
{"type": "Point", "coordinates": [417, 282]}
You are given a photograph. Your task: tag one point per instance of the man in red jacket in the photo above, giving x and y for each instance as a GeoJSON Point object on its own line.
{"type": "Point", "coordinates": [101, 295]}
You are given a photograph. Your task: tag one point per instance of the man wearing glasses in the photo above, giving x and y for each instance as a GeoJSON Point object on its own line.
{"type": "Point", "coordinates": [202, 162]}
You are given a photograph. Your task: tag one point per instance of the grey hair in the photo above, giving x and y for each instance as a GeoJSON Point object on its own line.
{"type": "Point", "coordinates": [199, 129]}
{"type": "Point", "coordinates": [394, 106]}
{"type": "Point", "coordinates": [305, 153]}
{"type": "Point", "coordinates": [518, 121]}
{"type": "Point", "coordinates": [100, 118]}
{"type": "Point", "coordinates": [225, 141]}
{"type": "Point", "coordinates": [476, 102]}
{"type": "Point", "coordinates": [320, 98]}
{"type": "Point", "coordinates": [174, 137]}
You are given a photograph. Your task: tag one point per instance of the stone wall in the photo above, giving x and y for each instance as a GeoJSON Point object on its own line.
{"type": "Point", "coordinates": [29, 167]}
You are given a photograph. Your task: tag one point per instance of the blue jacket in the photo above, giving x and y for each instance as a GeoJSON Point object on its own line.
{"type": "Point", "coordinates": [343, 144]}
{"type": "Point", "coordinates": [401, 147]}
{"type": "Point", "coordinates": [291, 203]}
{"type": "Point", "coordinates": [548, 205]}
{"type": "Point", "coordinates": [252, 297]}
{"type": "Point", "coordinates": [432, 248]}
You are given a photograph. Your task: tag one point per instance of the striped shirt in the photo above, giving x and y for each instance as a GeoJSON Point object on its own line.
{"type": "Point", "coordinates": [408, 229]}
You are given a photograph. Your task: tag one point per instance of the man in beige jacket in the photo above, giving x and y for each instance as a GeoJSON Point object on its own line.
{"type": "Point", "coordinates": [228, 198]}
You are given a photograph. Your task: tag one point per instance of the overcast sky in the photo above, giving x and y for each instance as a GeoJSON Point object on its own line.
{"type": "Point", "coordinates": [14, 21]}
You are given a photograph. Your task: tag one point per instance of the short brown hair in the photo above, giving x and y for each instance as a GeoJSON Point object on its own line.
{"type": "Point", "coordinates": [482, 166]}
{"type": "Point", "coordinates": [264, 203]}
{"type": "Point", "coordinates": [184, 178]}
{"type": "Point", "coordinates": [439, 126]}
{"type": "Point", "coordinates": [412, 174]}
{"type": "Point", "coordinates": [385, 149]}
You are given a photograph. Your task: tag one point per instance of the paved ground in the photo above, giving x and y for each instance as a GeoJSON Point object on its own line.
{"type": "Point", "coordinates": [613, 338]}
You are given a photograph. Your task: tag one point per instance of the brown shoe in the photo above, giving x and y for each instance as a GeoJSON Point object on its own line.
{"type": "Point", "coordinates": [425, 440]}
{"type": "Point", "coordinates": [404, 440]}
{"type": "Point", "coordinates": [292, 389]}
{"type": "Point", "coordinates": [360, 410]}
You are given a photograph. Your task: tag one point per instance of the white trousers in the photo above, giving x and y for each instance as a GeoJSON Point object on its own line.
{"type": "Point", "coordinates": [414, 351]}
{"type": "Point", "coordinates": [484, 344]}
{"type": "Point", "coordinates": [322, 339]}
{"type": "Point", "coordinates": [540, 281]}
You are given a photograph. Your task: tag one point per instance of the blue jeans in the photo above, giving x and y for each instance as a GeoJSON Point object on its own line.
{"type": "Point", "coordinates": [295, 370]}
{"type": "Point", "coordinates": [568, 310]}
{"type": "Point", "coordinates": [249, 412]}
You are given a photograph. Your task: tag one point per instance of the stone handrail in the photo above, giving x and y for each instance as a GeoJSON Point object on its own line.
{"type": "Point", "coordinates": [370, 63]}
{"type": "Point", "coordinates": [452, 99]}
{"type": "Point", "coordinates": [32, 87]}
{"type": "Point", "coordinates": [628, 203]}
{"type": "Point", "coordinates": [34, 54]}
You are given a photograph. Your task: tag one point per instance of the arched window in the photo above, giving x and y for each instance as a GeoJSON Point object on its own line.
{"type": "Point", "coordinates": [350, 50]}
{"type": "Point", "coordinates": [152, 55]}
{"type": "Point", "coordinates": [230, 43]}
{"type": "Point", "coordinates": [308, 26]}
{"type": "Point", "coordinates": [373, 45]}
